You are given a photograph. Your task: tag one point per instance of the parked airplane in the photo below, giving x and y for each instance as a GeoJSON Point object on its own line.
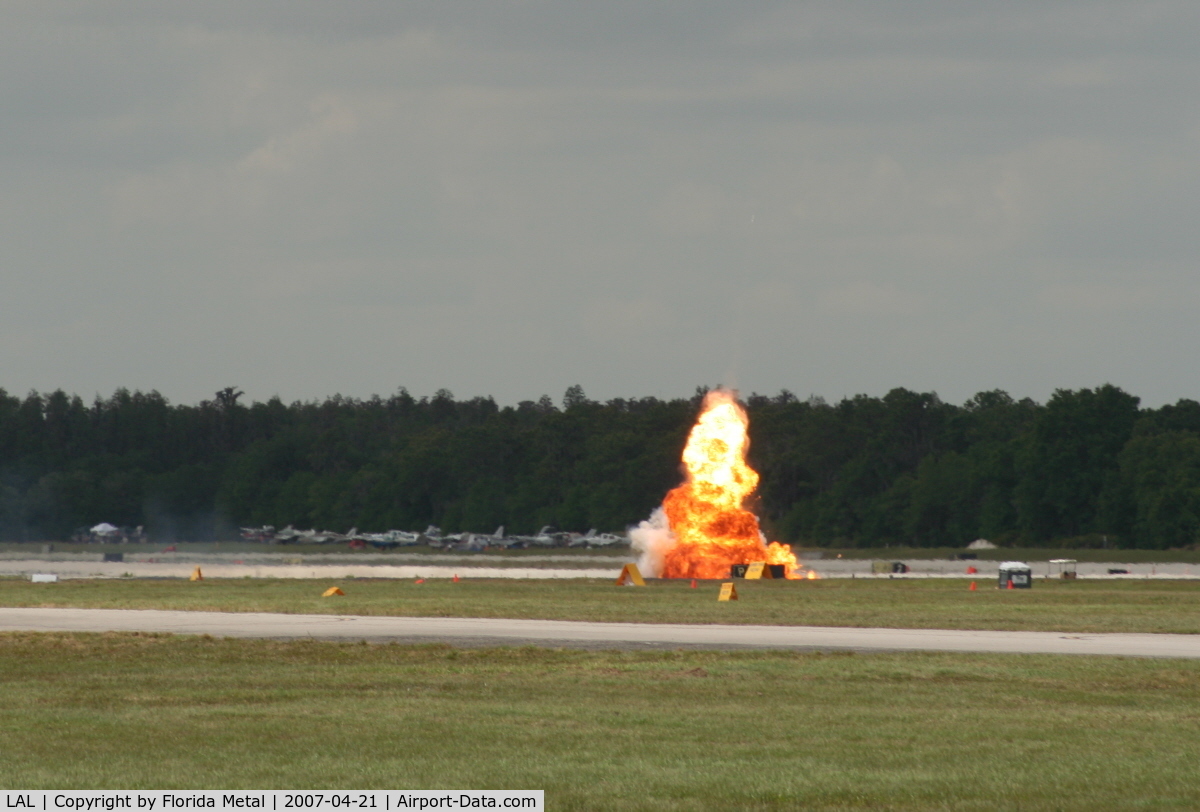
{"type": "Point", "coordinates": [548, 536]}
{"type": "Point", "coordinates": [582, 541]}
{"type": "Point", "coordinates": [266, 533]}
{"type": "Point", "coordinates": [594, 539]}
{"type": "Point", "coordinates": [473, 542]}
{"type": "Point", "coordinates": [392, 539]}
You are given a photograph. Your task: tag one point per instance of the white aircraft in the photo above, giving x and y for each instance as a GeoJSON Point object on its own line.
{"type": "Point", "coordinates": [607, 540]}
{"type": "Point", "coordinates": [473, 542]}
{"type": "Point", "coordinates": [594, 539]}
{"type": "Point", "coordinates": [582, 541]}
{"type": "Point", "coordinates": [546, 537]}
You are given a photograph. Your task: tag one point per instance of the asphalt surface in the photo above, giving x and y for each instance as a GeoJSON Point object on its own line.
{"type": "Point", "coordinates": [491, 631]}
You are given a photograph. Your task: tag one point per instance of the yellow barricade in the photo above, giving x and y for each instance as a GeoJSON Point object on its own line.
{"type": "Point", "coordinates": [630, 575]}
{"type": "Point", "coordinates": [757, 570]}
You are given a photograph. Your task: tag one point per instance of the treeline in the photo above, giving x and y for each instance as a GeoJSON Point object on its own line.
{"type": "Point", "coordinates": [1087, 468]}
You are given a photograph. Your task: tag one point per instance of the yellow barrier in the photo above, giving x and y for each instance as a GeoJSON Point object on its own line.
{"type": "Point", "coordinates": [630, 574]}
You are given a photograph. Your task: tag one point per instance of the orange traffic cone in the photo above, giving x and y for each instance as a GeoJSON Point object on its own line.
{"type": "Point", "coordinates": [456, 577]}
{"type": "Point", "coordinates": [972, 586]}
{"type": "Point", "coordinates": [693, 583]}
{"type": "Point", "coordinates": [1010, 586]}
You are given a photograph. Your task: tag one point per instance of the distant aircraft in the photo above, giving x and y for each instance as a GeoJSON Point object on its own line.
{"type": "Point", "coordinates": [474, 542]}
{"type": "Point", "coordinates": [264, 533]}
{"type": "Point", "coordinates": [607, 540]}
{"type": "Point", "coordinates": [593, 539]}
{"type": "Point", "coordinates": [290, 535]}
{"type": "Point", "coordinates": [582, 541]}
{"type": "Point", "coordinates": [392, 539]}
{"type": "Point", "coordinates": [548, 536]}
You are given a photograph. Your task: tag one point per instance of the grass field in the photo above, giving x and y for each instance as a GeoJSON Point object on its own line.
{"type": "Point", "coordinates": [603, 730]}
{"type": "Point", "coordinates": [1082, 606]}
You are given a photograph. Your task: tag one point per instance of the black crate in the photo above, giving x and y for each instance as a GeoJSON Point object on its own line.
{"type": "Point", "coordinates": [114, 556]}
{"type": "Point", "coordinates": [1019, 578]}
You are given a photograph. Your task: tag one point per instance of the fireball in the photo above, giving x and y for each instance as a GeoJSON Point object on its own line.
{"type": "Point", "coordinates": [709, 527]}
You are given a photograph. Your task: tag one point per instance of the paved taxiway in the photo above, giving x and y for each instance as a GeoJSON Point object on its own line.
{"type": "Point", "coordinates": [400, 565]}
{"type": "Point", "coordinates": [492, 631]}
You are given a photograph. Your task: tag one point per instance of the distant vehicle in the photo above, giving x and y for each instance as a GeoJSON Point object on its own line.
{"type": "Point", "coordinates": [1015, 575]}
{"type": "Point", "coordinates": [1065, 567]}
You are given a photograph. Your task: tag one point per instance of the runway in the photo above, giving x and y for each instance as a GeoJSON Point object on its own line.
{"type": "Point", "coordinates": [156, 569]}
{"type": "Point", "coordinates": [497, 632]}
{"type": "Point", "coordinates": [398, 565]}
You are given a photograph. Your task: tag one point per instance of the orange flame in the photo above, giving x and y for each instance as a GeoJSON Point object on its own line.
{"type": "Point", "coordinates": [711, 527]}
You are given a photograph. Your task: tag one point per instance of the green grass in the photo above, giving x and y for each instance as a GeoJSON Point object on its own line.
{"type": "Point", "coordinates": [603, 730]}
{"type": "Point", "coordinates": [1082, 606]}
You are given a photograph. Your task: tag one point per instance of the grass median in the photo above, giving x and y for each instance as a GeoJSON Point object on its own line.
{"type": "Point", "coordinates": [1081, 606]}
{"type": "Point", "coordinates": [602, 730]}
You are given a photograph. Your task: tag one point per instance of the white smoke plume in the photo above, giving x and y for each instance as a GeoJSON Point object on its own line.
{"type": "Point", "coordinates": [652, 538]}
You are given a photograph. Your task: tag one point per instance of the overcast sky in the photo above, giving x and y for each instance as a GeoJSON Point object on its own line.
{"type": "Point", "coordinates": [306, 198]}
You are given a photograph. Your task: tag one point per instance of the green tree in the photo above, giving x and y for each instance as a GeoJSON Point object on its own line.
{"type": "Point", "coordinates": [1070, 457]}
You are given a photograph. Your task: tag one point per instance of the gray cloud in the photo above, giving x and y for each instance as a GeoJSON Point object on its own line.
{"type": "Point", "coordinates": [508, 198]}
